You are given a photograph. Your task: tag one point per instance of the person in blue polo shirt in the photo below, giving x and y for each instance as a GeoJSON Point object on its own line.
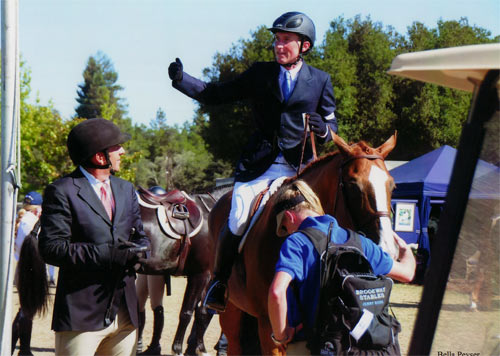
{"type": "Point", "coordinates": [297, 207]}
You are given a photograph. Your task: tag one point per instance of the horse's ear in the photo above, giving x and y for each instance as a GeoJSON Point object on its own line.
{"type": "Point", "coordinates": [388, 145]}
{"type": "Point", "coordinates": [344, 148]}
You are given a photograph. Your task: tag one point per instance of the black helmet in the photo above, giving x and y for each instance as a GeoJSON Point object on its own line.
{"type": "Point", "coordinates": [92, 136]}
{"type": "Point", "coordinates": [295, 22]}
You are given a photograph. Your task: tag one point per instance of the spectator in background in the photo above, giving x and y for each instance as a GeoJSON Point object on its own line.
{"type": "Point", "coordinates": [27, 218]}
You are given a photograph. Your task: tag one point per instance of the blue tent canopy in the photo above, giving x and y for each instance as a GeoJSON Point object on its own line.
{"type": "Point", "coordinates": [429, 175]}
{"type": "Point", "coordinates": [426, 178]}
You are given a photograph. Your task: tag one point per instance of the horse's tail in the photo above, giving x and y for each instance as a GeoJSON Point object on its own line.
{"type": "Point", "coordinates": [32, 283]}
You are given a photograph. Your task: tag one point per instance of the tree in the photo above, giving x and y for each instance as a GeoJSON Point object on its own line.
{"type": "Point", "coordinates": [43, 140]}
{"type": "Point", "coordinates": [177, 157]}
{"type": "Point", "coordinates": [428, 115]}
{"type": "Point", "coordinates": [44, 156]}
{"type": "Point", "coordinates": [98, 94]}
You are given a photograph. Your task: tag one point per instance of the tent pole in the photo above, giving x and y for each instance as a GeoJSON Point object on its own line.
{"type": "Point", "coordinates": [8, 192]}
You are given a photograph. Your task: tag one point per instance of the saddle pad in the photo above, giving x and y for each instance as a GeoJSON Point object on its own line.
{"type": "Point", "coordinates": [275, 185]}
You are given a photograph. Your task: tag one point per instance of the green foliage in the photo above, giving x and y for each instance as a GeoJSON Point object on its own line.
{"type": "Point", "coordinates": [44, 156]}
{"type": "Point", "coordinates": [176, 157]}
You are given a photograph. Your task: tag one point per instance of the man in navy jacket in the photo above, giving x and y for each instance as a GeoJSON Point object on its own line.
{"type": "Point", "coordinates": [88, 218]}
{"type": "Point", "coordinates": [280, 93]}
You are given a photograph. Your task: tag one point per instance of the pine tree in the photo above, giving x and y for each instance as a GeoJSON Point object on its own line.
{"type": "Point", "coordinates": [98, 94]}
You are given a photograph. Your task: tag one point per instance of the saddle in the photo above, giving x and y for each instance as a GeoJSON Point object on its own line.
{"type": "Point", "coordinates": [178, 215]}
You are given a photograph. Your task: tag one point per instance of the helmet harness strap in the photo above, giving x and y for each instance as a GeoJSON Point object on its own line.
{"type": "Point", "coordinates": [90, 164]}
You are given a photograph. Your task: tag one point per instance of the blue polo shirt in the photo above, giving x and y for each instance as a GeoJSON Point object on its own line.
{"type": "Point", "coordinates": [300, 260]}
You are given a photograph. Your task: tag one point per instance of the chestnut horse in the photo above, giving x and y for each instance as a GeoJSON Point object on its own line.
{"type": "Point", "coordinates": [353, 185]}
{"type": "Point", "coordinates": [196, 266]}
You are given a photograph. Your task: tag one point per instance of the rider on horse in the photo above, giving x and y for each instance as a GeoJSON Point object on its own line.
{"type": "Point", "coordinates": [281, 93]}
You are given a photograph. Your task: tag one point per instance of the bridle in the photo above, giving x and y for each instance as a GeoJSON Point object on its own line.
{"type": "Point", "coordinates": [375, 215]}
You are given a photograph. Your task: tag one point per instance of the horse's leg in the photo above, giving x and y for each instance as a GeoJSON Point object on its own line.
{"type": "Point", "coordinates": [196, 284]}
{"type": "Point", "coordinates": [249, 336]}
{"type": "Point", "coordinates": [230, 322]}
{"type": "Point", "coordinates": [266, 343]}
{"type": "Point", "coordinates": [195, 343]}
{"type": "Point", "coordinates": [141, 286]}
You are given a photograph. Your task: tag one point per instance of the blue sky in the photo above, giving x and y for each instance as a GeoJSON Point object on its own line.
{"type": "Point", "coordinates": [142, 37]}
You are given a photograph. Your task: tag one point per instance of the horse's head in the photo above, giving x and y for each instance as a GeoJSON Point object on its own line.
{"type": "Point", "coordinates": [367, 188]}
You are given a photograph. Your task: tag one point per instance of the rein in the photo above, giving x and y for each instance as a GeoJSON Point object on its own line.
{"type": "Point", "coordinates": [304, 139]}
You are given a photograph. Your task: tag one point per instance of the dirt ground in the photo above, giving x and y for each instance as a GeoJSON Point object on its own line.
{"type": "Point", "coordinates": [459, 329]}
{"type": "Point", "coordinates": [42, 342]}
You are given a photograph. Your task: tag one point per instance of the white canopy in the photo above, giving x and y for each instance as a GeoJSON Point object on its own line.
{"type": "Point", "coordinates": [457, 67]}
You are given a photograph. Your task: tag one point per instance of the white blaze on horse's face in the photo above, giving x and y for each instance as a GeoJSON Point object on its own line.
{"type": "Point", "coordinates": [378, 179]}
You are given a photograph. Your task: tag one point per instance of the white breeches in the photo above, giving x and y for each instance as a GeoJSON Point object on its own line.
{"type": "Point", "coordinates": [245, 192]}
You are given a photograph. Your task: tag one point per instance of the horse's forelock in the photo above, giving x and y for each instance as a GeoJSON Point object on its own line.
{"type": "Point", "coordinates": [364, 147]}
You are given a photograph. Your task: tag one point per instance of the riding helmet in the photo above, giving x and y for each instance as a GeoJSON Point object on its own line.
{"type": "Point", "coordinates": [92, 136]}
{"type": "Point", "coordinates": [295, 22]}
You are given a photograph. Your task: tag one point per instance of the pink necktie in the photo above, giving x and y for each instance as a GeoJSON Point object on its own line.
{"type": "Point", "coordinates": [107, 200]}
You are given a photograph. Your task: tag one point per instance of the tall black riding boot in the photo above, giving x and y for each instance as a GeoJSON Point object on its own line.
{"type": "Point", "coordinates": [142, 322]}
{"type": "Point", "coordinates": [155, 348]}
{"type": "Point", "coordinates": [25, 327]}
{"type": "Point", "coordinates": [15, 330]}
{"type": "Point", "coordinates": [227, 248]}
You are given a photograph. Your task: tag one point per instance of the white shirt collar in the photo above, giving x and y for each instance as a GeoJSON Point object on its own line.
{"type": "Point", "coordinates": [293, 72]}
{"type": "Point", "coordinates": [94, 182]}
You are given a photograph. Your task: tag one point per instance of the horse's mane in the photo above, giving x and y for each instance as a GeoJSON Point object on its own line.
{"type": "Point", "coordinates": [362, 146]}
{"type": "Point", "coordinates": [319, 161]}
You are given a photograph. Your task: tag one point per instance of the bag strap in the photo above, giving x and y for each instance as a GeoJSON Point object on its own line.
{"type": "Point", "coordinates": [321, 241]}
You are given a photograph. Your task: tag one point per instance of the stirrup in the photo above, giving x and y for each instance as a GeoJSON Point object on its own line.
{"type": "Point", "coordinates": [217, 296]}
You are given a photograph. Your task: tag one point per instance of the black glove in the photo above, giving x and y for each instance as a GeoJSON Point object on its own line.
{"type": "Point", "coordinates": [123, 255]}
{"type": "Point", "coordinates": [317, 125]}
{"type": "Point", "coordinates": [175, 70]}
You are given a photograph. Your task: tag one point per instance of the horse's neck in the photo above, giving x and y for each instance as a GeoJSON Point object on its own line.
{"type": "Point", "coordinates": [324, 178]}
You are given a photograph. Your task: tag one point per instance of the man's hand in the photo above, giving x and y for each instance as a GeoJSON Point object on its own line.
{"type": "Point", "coordinates": [317, 125]}
{"type": "Point", "coordinates": [175, 70]}
{"type": "Point", "coordinates": [122, 257]}
{"type": "Point", "coordinates": [126, 254]}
